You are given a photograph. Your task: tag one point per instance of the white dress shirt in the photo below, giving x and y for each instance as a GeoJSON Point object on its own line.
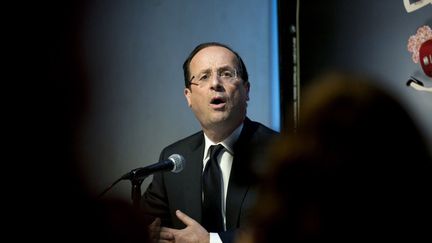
{"type": "Point", "coordinates": [225, 159]}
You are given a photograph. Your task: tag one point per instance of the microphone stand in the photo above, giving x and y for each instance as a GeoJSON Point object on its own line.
{"type": "Point", "coordinates": [136, 192]}
{"type": "Point", "coordinates": [136, 181]}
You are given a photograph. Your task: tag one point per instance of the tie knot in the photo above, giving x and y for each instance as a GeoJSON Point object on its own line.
{"type": "Point", "coordinates": [214, 150]}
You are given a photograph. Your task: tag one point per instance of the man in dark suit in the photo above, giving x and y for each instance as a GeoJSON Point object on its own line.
{"type": "Point", "coordinates": [185, 204]}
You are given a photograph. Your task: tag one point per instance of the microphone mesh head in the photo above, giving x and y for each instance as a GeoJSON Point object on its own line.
{"type": "Point", "coordinates": [179, 162]}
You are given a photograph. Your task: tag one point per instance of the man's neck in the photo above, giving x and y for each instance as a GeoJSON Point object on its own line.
{"type": "Point", "coordinates": [220, 132]}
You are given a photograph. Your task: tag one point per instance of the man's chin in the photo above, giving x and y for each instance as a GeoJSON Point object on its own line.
{"type": "Point", "coordinates": [224, 119]}
{"type": "Point", "coordinates": [217, 118]}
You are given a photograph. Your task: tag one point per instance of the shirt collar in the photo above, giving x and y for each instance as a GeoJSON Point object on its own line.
{"type": "Point", "coordinates": [228, 142]}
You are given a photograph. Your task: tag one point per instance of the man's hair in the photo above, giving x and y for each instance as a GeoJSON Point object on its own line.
{"type": "Point", "coordinates": [241, 67]}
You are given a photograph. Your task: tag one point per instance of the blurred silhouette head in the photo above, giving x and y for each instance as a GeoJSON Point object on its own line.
{"type": "Point", "coordinates": [357, 167]}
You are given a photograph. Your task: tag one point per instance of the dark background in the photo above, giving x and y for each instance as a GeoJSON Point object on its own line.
{"type": "Point", "coordinates": [368, 37]}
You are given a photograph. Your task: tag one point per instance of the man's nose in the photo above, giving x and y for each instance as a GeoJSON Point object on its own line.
{"type": "Point", "coordinates": [215, 81]}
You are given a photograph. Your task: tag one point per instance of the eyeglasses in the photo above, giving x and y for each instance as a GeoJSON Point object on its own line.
{"type": "Point", "coordinates": [227, 75]}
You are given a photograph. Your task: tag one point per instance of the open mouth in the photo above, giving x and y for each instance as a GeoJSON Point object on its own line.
{"type": "Point", "coordinates": [218, 102]}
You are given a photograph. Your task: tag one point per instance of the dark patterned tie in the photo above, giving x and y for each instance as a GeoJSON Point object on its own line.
{"type": "Point", "coordinates": [212, 189]}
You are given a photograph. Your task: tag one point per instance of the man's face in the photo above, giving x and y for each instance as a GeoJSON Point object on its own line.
{"type": "Point", "coordinates": [218, 100]}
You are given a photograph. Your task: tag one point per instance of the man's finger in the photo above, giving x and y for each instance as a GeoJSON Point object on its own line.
{"type": "Point", "coordinates": [165, 241]}
{"type": "Point", "coordinates": [154, 229]}
{"type": "Point", "coordinates": [184, 218]}
{"type": "Point", "coordinates": [163, 235]}
{"type": "Point", "coordinates": [155, 224]}
{"type": "Point", "coordinates": [167, 233]}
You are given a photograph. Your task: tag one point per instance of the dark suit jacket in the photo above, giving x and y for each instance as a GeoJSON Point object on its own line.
{"type": "Point", "coordinates": [171, 191]}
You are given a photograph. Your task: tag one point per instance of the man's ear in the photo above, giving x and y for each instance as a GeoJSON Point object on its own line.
{"type": "Point", "coordinates": [187, 93]}
{"type": "Point", "coordinates": [247, 87]}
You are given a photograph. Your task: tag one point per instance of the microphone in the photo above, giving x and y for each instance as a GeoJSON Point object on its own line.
{"type": "Point", "coordinates": [175, 163]}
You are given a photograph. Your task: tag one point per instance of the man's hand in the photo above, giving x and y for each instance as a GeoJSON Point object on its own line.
{"type": "Point", "coordinates": [193, 233]}
{"type": "Point", "coordinates": [156, 235]}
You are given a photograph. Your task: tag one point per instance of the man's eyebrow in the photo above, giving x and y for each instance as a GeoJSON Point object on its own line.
{"type": "Point", "coordinates": [225, 67]}
{"type": "Point", "coordinates": [208, 70]}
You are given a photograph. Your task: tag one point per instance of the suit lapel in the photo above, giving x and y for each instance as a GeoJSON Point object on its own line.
{"type": "Point", "coordinates": [193, 180]}
{"type": "Point", "coordinates": [239, 181]}
{"type": "Point", "coordinates": [236, 195]}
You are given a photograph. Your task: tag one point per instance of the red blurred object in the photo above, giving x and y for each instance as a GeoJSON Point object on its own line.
{"type": "Point", "coordinates": [425, 55]}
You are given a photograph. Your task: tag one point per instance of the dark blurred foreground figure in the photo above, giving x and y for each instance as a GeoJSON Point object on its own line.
{"type": "Point", "coordinates": [357, 169]}
{"type": "Point", "coordinates": [50, 202]}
